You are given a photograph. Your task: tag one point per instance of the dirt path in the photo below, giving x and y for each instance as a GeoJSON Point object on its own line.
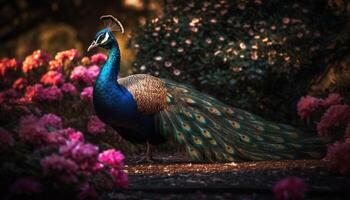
{"type": "Point", "coordinates": [176, 179]}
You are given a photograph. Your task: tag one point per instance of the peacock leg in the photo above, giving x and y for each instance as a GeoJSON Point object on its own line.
{"type": "Point", "coordinates": [148, 155]}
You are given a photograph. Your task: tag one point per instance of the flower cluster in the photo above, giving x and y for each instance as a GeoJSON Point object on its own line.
{"type": "Point", "coordinates": [334, 118]}
{"type": "Point", "coordinates": [47, 124]}
{"type": "Point", "coordinates": [34, 61]}
{"type": "Point", "coordinates": [290, 188]}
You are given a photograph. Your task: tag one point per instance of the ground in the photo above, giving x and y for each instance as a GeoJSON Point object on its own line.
{"type": "Point", "coordinates": [177, 178]}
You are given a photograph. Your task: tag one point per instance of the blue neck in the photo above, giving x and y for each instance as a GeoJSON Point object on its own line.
{"type": "Point", "coordinates": [110, 69]}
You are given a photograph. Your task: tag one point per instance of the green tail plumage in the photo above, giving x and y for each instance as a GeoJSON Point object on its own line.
{"type": "Point", "coordinates": [213, 131]}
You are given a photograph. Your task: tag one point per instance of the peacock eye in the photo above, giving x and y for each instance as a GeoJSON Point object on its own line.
{"type": "Point", "coordinates": [105, 38]}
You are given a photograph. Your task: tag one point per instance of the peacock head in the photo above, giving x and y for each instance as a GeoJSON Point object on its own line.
{"type": "Point", "coordinates": [104, 38]}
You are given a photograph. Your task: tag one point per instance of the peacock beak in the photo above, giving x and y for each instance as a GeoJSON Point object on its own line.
{"type": "Point", "coordinates": [92, 45]}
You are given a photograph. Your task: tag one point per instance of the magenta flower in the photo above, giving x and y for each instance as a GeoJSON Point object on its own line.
{"type": "Point", "coordinates": [98, 58]}
{"type": "Point", "coordinates": [94, 70]}
{"type": "Point", "coordinates": [52, 78]}
{"type": "Point", "coordinates": [33, 92]}
{"type": "Point", "coordinates": [55, 65]}
{"type": "Point", "coordinates": [76, 136]}
{"type": "Point", "coordinates": [82, 74]}
{"type": "Point", "coordinates": [112, 158]}
{"type": "Point", "coordinates": [347, 133]}
{"type": "Point", "coordinates": [37, 59]}
{"type": "Point", "coordinates": [69, 88]}
{"type": "Point", "coordinates": [52, 93]}
{"type": "Point", "coordinates": [7, 65]}
{"type": "Point", "coordinates": [95, 125]}
{"type": "Point", "coordinates": [87, 94]}
{"type": "Point", "coordinates": [64, 169]}
{"type": "Point", "coordinates": [67, 55]}
{"type": "Point", "coordinates": [307, 105]}
{"type": "Point", "coordinates": [6, 140]}
{"type": "Point", "coordinates": [338, 157]}
{"type": "Point", "coordinates": [290, 188]}
{"type": "Point", "coordinates": [26, 186]}
{"type": "Point", "coordinates": [31, 131]}
{"type": "Point", "coordinates": [20, 84]}
{"type": "Point", "coordinates": [335, 116]}
{"type": "Point", "coordinates": [120, 178]}
{"type": "Point", "coordinates": [51, 120]}
{"type": "Point", "coordinates": [332, 99]}
{"type": "Point", "coordinates": [85, 155]}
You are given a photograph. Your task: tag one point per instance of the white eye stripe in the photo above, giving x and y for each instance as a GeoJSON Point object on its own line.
{"type": "Point", "coordinates": [105, 39]}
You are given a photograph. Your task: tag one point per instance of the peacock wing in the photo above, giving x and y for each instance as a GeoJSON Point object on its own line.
{"type": "Point", "coordinates": [213, 131]}
{"type": "Point", "coordinates": [148, 92]}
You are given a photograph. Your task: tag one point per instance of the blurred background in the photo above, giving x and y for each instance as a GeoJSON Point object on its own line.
{"type": "Point", "coordinates": [27, 25]}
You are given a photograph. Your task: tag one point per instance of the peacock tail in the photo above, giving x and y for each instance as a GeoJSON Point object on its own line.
{"type": "Point", "coordinates": [213, 131]}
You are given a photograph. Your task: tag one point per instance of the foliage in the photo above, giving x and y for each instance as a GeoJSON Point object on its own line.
{"type": "Point", "coordinates": [257, 55]}
{"type": "Point", "coordinates": [46, 106]}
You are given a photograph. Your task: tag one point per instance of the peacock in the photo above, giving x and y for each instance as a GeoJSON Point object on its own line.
{"type": "Point", "coordinates": [147, 109]}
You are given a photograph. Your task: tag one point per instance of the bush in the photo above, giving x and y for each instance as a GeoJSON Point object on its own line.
{"type": "Point", "coordinates": [256, 55]}
{"type": "Point", "coordinates": [46, 106]}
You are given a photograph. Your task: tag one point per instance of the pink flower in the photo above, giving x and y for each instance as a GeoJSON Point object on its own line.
{"type": "Point", "coordinates": [33, 92]}
{"type": "Point", "coordinates": [37, 59]}
{"type": "Point", "coordinates": [55, 138]}
{"type": "Point", "coordinates": [87, 94]}
{"type": "Point", "coordinates": [307, 105]}
{"type": "Point", "coordinates": [20, 84]}
{"type": "Point", "coordinates": [338, 157]}
{"type": "Point", "coordinates": [51, 120]}
{"type": "Point", "coordinates": [95, 125]}
{"type": "Point", "coordinates": [112, 158]}
{"type": "Point", "coordinates": [7, 65]}
{"type": "Point", "coordinates": [94, 70]}
{"type": "Point", "coordinates": [98, 58]}
{"type": "Point", "coordinates": [85, 155]}
{"type": "Point", "coordinates": [67, 55]}
{"type": "Point", "coordinates": [26, 186]}
{"type": "Point", "coordinates": [64, 169]}
{"type": "Point", "coordinates": [290, 188]}
{"type": "Point", "coordinates": [76, 136]}
{"type": "Point", "coordinates": [69, 88]}
{"type": "Point", "coordinates": [82, 74]}
{"type": "Point", "coordinates": [52, 93]}
{"type": "Point", "coordinates": [335, 116]}
{"type": "Point", "coordinates": [55, 65]}
{"type": "Point", "coordinates": [332, 99]}
{"type": "Point", "coordinates": [6, 140]}
{"type": "Point", "coordinates": [119, 177]}
{"type": "Point", "coordinates": [31, 131]}
{"type": "Point", "coordinates": [52, 78]}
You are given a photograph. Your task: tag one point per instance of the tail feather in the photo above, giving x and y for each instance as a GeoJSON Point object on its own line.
{"type": "Point", "coordinates": [213, 131]}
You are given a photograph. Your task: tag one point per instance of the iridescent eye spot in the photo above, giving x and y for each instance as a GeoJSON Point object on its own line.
{"type": "Point", "coordinates": [235, 124]}
{"type": "Point", "coordinates": [180, 136]}
{"type": "Point", "coordinates": [186, 126]}
{"type": "Point", "coordinates": [245, 138]}
{"type": "Point", "coordinates": [206, 133]}
{"type": "Point", "coordinates": [229, 111]}
{"type": "Point", "coordinates": [196, 140]}
{"type": "Point", "coordinates": [214, 111]}
{"type": "Point", "coordinates": [229, 149]}
{"type": "Point", "coordinates": [213, 142]}
{"type": "Point", "coordinates": [200, 118]}
{"type": "Point", "coordinates": [259, 128]}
